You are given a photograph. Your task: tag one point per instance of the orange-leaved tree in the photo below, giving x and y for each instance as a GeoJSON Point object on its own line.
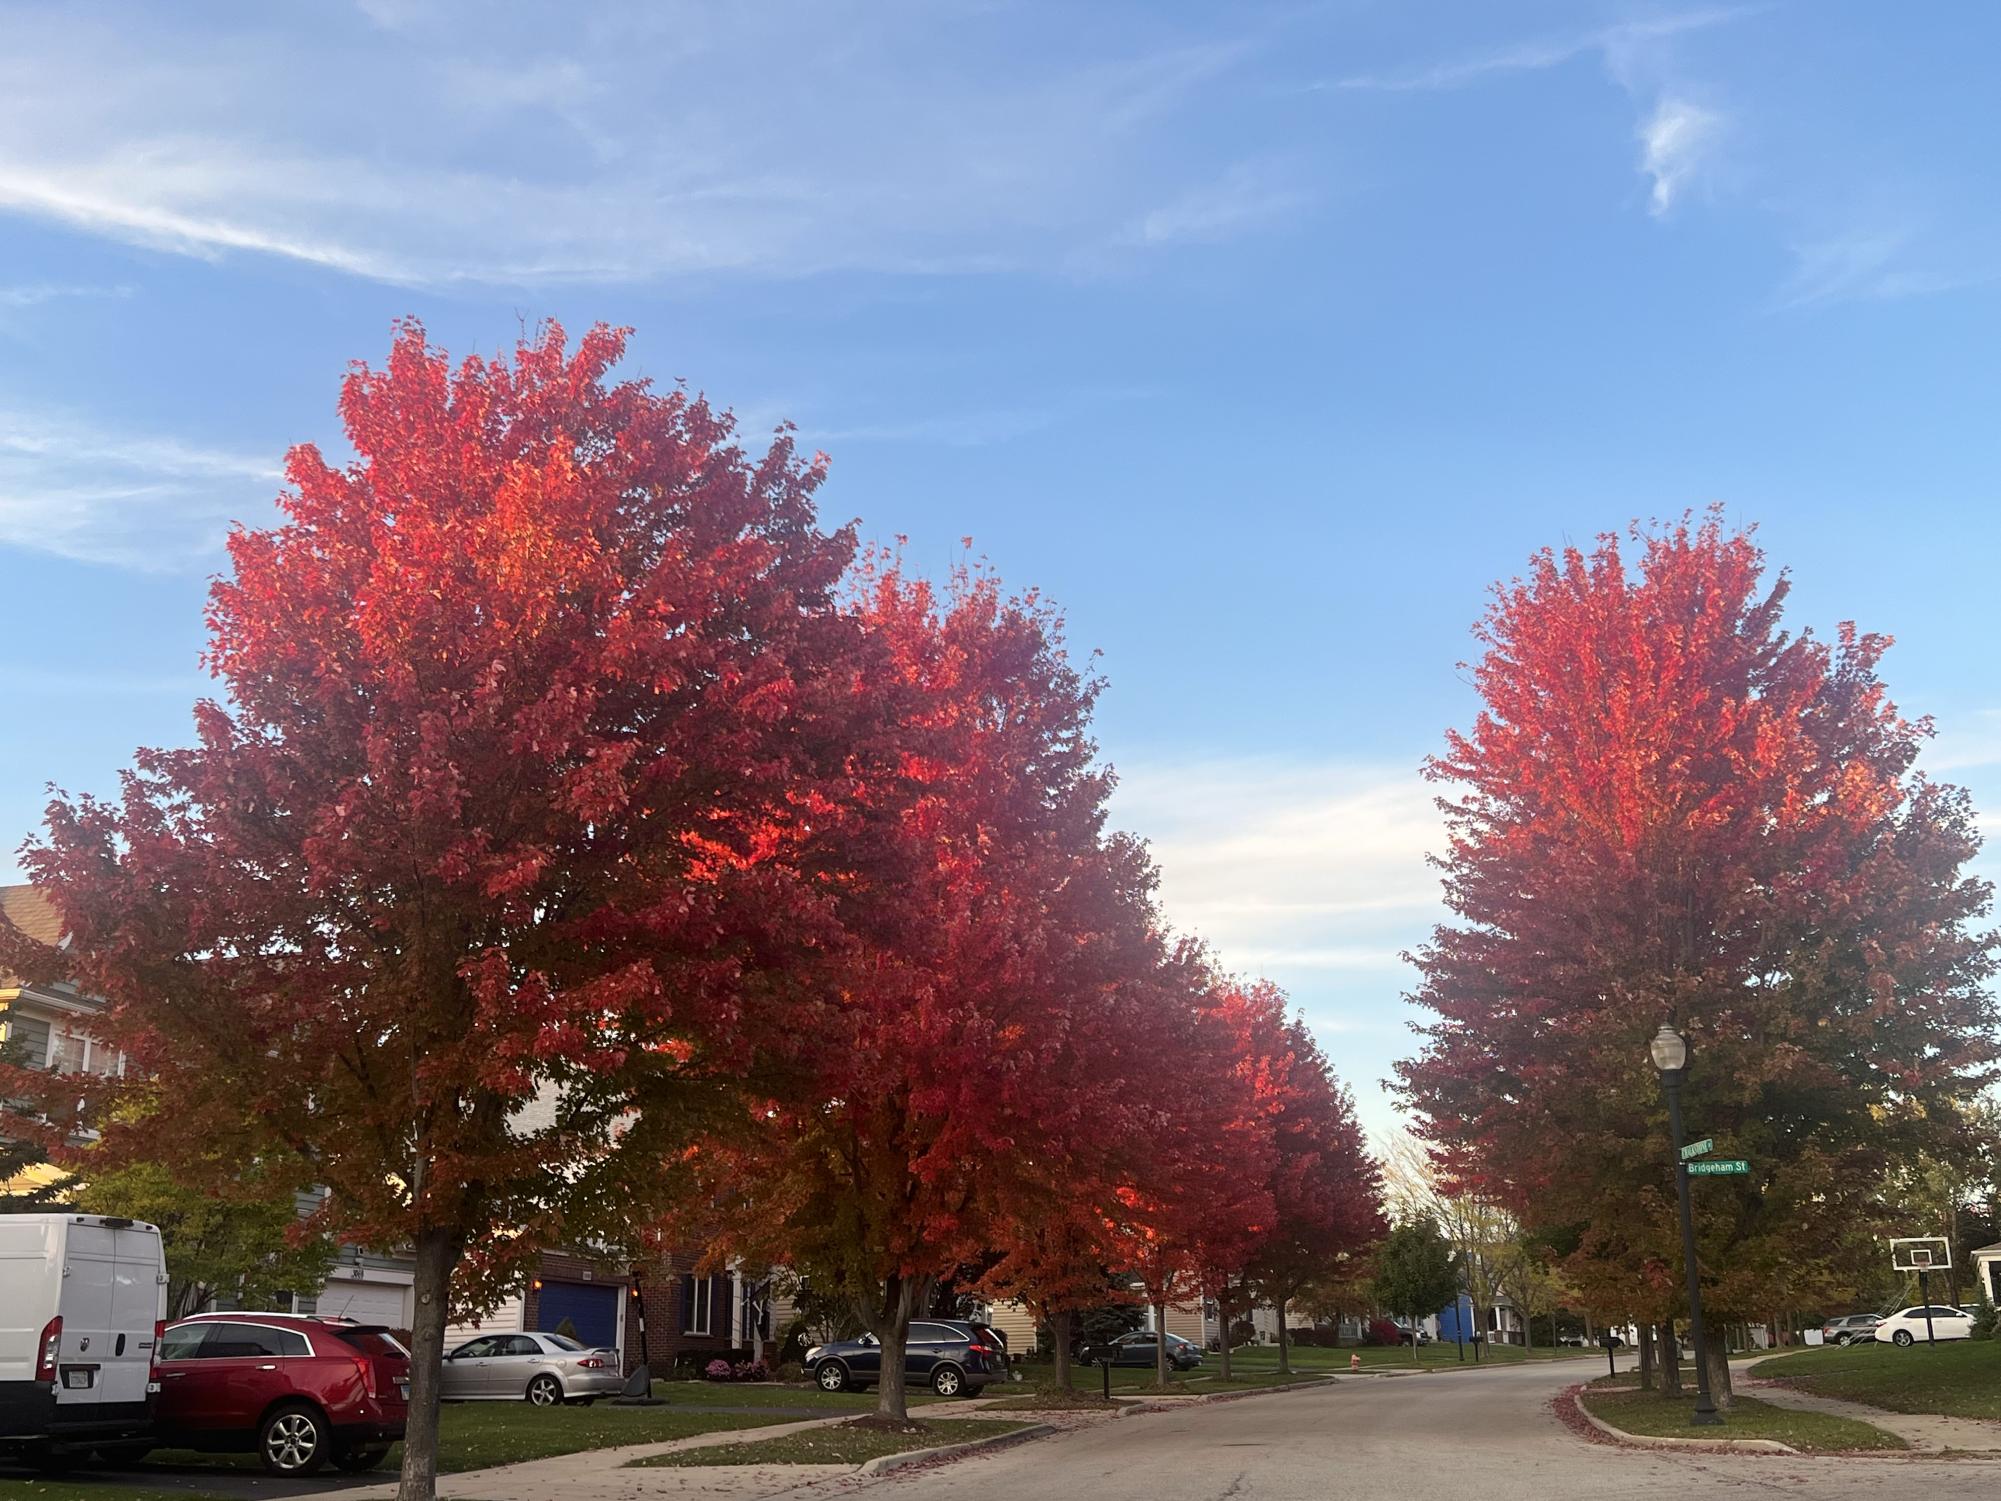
{"type": "Point", "coordinates": [994, 935]}
{"type": "Point", "coordinates": [506, 801]}
{"type": "Point", "coordinates": [1669, 809]}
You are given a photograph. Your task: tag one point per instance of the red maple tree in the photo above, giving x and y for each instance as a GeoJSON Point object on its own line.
{"type": "Point", "coordinates": [1327, 1193]}
{"type": "Point", "coordinates": [505, 807]}
{"type": "Point", "coordinates": [993, 936]}
{"type": "Point", "coordinates": [1669, 809]}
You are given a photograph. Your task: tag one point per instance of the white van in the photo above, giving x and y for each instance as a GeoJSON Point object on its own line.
{"type": "Point", "coordinates": [82, 1303]}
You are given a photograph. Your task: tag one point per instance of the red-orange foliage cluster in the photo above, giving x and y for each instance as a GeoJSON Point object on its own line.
{"type": "Point", "coordinates": [578, 830]}
{"type": "Point", "coordinates": [1670, 809]}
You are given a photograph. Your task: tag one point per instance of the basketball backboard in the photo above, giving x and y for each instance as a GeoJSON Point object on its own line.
{"type": "Point", "coordinates": [1921, 1253]}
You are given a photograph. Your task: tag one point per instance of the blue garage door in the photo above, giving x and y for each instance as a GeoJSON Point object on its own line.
{"type": "Point", "coordinates": [591, 1309]}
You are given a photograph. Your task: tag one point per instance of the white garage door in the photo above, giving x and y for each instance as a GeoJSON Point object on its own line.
{"type": "Point", "coordinates": [365, 1302]}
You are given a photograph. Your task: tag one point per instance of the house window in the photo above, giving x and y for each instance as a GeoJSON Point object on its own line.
{"type": "Point", "coordinates": [76, 1053]}
{"type": "Point", "coordinates": [696, 1302]}
{"type": "Point", "coordinates": [25, 1038]}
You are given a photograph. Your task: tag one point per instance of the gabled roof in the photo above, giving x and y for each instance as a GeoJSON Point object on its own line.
{"type": "Point", "coordinates": [34, 914]}
{"type": "Point", "coordinates": [1994, 1249]}
{"type": "Point", "coordinates": [28, 911]}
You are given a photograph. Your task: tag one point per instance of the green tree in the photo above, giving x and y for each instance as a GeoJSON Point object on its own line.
{"type": "Point", "coordinates": [245, 1242]}
{"type": "Point", "coordinates": [1416, 1272]}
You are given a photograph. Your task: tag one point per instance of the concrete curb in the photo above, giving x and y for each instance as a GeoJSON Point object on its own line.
{"type": "Point", "coordinates": [883, 1464]}
{"type": "Point", "coordinates": [1653, 1441]}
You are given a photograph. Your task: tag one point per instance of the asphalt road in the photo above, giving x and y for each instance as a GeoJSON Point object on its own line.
{"type": "Point", "coordinates": [1485, 1434]}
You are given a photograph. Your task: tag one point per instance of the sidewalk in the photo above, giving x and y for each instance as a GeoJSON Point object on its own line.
{"type": "Point", "coordinates": [600, 1474]}
{"type": "Point", "coordinates": [1926, 1432]}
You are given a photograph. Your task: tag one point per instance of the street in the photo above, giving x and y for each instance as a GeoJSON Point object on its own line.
{"type": "Point", "coordinates": [1487, 1434]}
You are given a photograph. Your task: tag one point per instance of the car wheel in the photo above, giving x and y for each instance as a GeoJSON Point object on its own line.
{"type": "Point", "coordinates": [832, 1376]}
{"type": "Point", "coordinates": [1842, 1339]}
{"type": "Point", "coordinates": [293, 1441]}
{"type": "Point", "coordinates": [361, 1457]}
{"type": "Point", "coordinates": [1904, 1339]}
{"type": "Point", "coordinates": [948, 1381]}
{"type": "Point", "coordinates": [545, 1391]}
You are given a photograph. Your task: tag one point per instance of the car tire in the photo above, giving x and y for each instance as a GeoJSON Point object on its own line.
{"type": "Point", "coordinates": [293, 1440]}
{"type": "Point", "coordinates": [1903, 1339]}
{"type": "Point", "coordinates": [357, 1459]}
{"type": "Point", "coordinates": [545, 1391]}
{"type": "Point", "coordinates": [832, 1377]}
{"type": "Point", "coordinates": [948, 1381]}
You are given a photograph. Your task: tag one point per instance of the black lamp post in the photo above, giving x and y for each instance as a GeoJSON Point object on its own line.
{"type": "Point", "coordinates": [1669, 1051]}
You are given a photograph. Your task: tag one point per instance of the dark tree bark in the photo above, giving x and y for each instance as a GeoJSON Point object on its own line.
{"type": "Point", "coordinates": [1670, 1360]}
{"type": "Point", "coordinates": [1059, 1335]}
{"type": "Point", "coordinates": [1160, 1343]}
{"type": "Point", "coordinates": [1284, 1342]}
{"type": "Point", "coordinates": [1223, 1318]}
{"type": "Point", "coordinates": [437, 1254]}
{"type": "Point", "coordinates": [1718, 1365]}
{"type": "Point", "coordinates": [891, 1327]}
{"type": "Point", "coordinates": [1646, 1357]}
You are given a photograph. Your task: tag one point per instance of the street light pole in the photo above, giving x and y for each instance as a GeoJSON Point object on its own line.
{"type": "Point", "coordinates": [1670, 1055]}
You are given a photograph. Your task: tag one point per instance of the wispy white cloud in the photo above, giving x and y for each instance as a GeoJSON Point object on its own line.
{"type": "Point", "coordinates": [1882, 262]}
{"type": "Point", "coordinates": [607, 142]}
{"type": "Point", "coordinates": [1291, 865]}
{"type": "Point", "coordinates": [1674, 141]}
{"type": "Point", "coordinates": [132, 500]}
{"type": "Point", "coordinates": [1537, 55]}
{"type": "Point", "coordinates": [1248, 195]}
{"type": "Point", "coordinates": [34, 294]}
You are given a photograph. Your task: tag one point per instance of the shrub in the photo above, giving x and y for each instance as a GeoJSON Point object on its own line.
{"type": "Point", "coordinates": [718, 1370]}
{"type": "Point", "coordinates": [749, 1370]}
{"type": "Point", "coordinates": [1984, 1315]}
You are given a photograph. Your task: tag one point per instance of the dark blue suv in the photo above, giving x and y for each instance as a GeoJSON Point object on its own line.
{"type": "Point", "coordinates": [950, 1355]}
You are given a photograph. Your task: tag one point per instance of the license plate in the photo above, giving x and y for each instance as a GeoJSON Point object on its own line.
{"type": "Point", "coordinates": [78, 1380]}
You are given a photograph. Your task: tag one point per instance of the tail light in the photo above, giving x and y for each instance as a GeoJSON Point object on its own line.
{"type": "Point", "coordinates": [977, 1349]}
{"type": "Point", "coordinates": [590, 1363]}
{"type": "Point", "coordinates": [365, 1366]}
{"type": "Point", "coordinates": [159, 1339]}
{"type": "Point", "coordinates": [45, 1349]}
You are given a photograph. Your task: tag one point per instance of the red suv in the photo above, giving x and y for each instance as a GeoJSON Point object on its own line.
{"type": "Point", "coordinates": [299, 1391]}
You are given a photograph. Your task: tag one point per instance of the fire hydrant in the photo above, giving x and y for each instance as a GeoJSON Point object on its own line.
{"type": "Point", "coordinates": [1355, 1363]}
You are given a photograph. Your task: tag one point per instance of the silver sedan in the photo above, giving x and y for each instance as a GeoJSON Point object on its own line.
{"type": "Point", "coordinates": [544, 1369]}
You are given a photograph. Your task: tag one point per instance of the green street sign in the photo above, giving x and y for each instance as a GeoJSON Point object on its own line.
{"type": "Point", "coordinates": [1697, 1149]}
{"type": "Point", "coordinates": [1719, 1167]}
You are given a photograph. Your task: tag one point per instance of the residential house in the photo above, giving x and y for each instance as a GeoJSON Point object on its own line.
{"type": "Point", "coordinates": [47, 1026]}
{"type": "Point", "coordinates": [1987, 1272]}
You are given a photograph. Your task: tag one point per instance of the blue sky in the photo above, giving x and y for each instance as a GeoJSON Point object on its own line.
{"type": "Point", "coordinates": [1263, 337]}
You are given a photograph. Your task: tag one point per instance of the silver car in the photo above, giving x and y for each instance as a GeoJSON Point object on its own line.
{"type": "Point", "coordinates": [544, 1369]}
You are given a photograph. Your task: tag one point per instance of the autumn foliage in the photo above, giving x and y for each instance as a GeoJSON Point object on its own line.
{"type": "Point", "coordinates": [1671, 808]}
{"type": "Point", "coordinates": [580, 835]}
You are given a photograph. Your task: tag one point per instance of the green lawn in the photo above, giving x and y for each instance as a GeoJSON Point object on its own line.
{"type": "Point", "coordinates": [1656, 1416]}
{"type": "Point", "coordinates": [841, 1444]}
{"type": "Point", "coordinates": [1960, 1378]}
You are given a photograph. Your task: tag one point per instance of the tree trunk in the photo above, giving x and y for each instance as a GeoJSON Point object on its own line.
{"type": "Point", "coordinates": [892, 1333]}
{"type": "Point", "coordinates": [1646, 1357]}
{"type": "Point", "coordinates": [1223, 1318]}
{"type": "Point", "coordinates": [1528, 1331]}
{"type": "Point", "coordinates": [1160, 1342]}
{"type": "Point", "coordinates": [1059, 1334]}
{"type": "Point", "coordinates": [1284, 1344]}
{"type": "Point", "coordinates": [1718, 1365]}
{"type": "Point", "coordinates": [437, 1255]}
{"type": "Point", "coordinates": [1669, 1352]}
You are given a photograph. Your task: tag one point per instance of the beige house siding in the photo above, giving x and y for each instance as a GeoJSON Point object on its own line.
{"type": "Point", "coordinates": [1014, 1321]}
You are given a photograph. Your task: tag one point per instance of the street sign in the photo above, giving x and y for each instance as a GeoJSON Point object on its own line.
{"type": "Point", "coordinates": [1697, 1149]}
{"type": "Point", "coordinates": [1718, 1167]}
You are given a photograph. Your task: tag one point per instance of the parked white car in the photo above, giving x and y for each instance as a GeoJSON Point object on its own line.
{"type": "Point", "coordinates": [1906, 1326]}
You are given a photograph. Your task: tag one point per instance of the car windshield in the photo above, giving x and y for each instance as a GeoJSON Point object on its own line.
{"type": "Point", "coordinates": [374, 1342]}
{"type": "Point", "coordinates": [564, 1342]}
